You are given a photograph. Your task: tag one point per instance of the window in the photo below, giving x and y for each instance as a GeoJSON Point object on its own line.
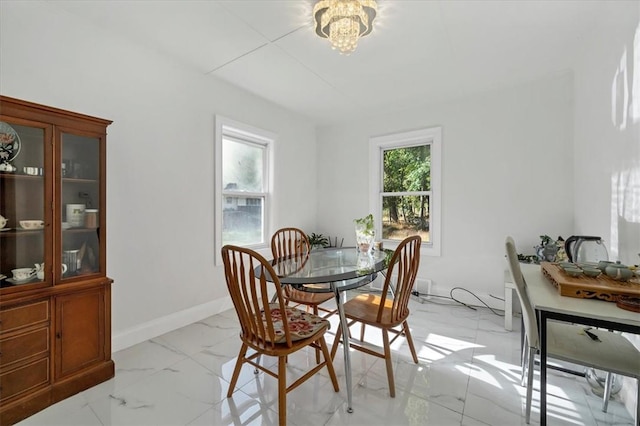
{"type": "Point", "coordinates": [242, 184]}
{"type": "Point", "coordinates": [405, 187]}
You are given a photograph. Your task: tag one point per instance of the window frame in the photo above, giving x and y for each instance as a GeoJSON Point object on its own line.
{"type": "Point", "coordinates": [377, 144]}
{"type": "Point", "coordinates": [243, 133]}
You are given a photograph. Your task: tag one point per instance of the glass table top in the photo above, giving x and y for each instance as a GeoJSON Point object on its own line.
{"type": "Point", "coordinates": [345, 267]}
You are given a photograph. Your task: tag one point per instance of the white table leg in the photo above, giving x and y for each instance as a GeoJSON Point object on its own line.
{"type": "Point", "coordinates": [508, 301]}
{"type": "Point", "coordinates": [508, 308]}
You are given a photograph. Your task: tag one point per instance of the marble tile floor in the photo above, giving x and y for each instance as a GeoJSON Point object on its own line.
{"type": "Point", "coordinates": [468, 374]}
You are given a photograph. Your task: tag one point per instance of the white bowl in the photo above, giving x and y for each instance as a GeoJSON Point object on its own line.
{"type": "Point", "coordinates": [32, 224]}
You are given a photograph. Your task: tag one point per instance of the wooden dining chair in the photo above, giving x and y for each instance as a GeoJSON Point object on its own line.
{"type": "Point", "coordinates": [389, 310]}
{"type": "Point", "coordinates": [270, 327]}
{"type": "Point", "coordinates": [612, 352]}
{"type": "Point", "coordinates": [293, 242]}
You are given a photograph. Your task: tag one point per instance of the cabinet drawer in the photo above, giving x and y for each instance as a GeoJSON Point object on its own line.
{"type": "Point", "coordinates": [23, 379]}
{"type": "Point", "coordinates": [24, 346]}
{"type": "Point", "coordinates": [20, 316]}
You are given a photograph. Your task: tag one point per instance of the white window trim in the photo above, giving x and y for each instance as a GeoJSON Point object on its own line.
{"type": "Point", "coordinates": [377, 144]}
{"type": "Point", "coordinates": [227, 127]}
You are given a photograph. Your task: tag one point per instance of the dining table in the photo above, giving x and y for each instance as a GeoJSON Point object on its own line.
{"type": "Point", "coordinates": [549, 304]}
{"type": "Point", "coordinates": [335, 270]}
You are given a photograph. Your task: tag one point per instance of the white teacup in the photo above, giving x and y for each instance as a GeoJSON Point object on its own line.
{"type": "Point", "coordinates": [23, 274]}
{"type": "Point", "coordinates": [32, 224]}
{"type": "Point", "coordinates": [40, 270]}
{"type": "Point", "coordinates": [3, 221]}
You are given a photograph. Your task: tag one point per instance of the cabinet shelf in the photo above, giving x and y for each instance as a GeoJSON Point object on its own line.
{"type": "Point", "coordinates": [21, 232]}
{"type": "Point", "coordinates": [20, 176]}
{"type": "Point", "coordinates": [78, 180]}
{"type": "Point", "coordinates": [80, 230]}
{"type": "Point", "coordinates": [5, 284]}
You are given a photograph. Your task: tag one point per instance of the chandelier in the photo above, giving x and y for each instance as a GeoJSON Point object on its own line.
{"type": "Point", "coordinates": [343, 22]}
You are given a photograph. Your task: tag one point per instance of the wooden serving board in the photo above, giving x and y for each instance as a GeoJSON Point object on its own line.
{"type": "Point", "coordinates": [603, 287]}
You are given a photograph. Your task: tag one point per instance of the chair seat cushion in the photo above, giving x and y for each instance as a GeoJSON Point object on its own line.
{"type": "Point", "coordinates": [613, 352]}
{"type": "Point", "coordinates": [301, 324]}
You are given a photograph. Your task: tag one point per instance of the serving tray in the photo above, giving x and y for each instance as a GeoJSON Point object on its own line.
{"type": "Point", "coordinates": [629, 303]}
{"type": "Point", "coordinates": [602, 287]}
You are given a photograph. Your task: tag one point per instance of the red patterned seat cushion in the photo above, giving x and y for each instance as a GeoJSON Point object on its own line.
{"type": "Point", "coordinates": [301, 324]}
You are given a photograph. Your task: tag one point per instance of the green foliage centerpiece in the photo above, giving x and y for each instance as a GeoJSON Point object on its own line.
{"type": "Point", "coordinates": [365, 233]}
{"type": "Point", "coordinates": [318, 240]}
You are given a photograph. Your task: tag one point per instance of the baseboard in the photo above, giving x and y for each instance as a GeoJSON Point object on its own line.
{"type": "Point", "coordinates": [159, 326]}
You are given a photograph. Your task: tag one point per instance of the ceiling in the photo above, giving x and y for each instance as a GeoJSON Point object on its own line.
{"type": "Point", "coordinates": [420, 52]}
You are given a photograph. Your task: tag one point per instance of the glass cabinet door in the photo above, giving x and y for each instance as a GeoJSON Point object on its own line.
{"type": "Point", "coordinates": [24, 157]}
{"type": "Point", "coordinates": [80, 205]}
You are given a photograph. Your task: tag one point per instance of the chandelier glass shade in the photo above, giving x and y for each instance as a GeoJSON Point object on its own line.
{"type": "Point", "coordinates": [343, 22]}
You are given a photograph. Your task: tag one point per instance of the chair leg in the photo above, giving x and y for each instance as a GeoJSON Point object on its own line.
{"type": "Point", "coordinates": [530, 368]}
{"type": "Point", "coordinates": [524, 361]}
{"type": "Point", "coordinates": [407, 335]}
{"type": "Point", "coordinates": [315, 312]}
{"type": "Point", "coordinates": [638, 401]}
{"type": "Point", "coordinates": [236, 370]}
{"type": "Point", "coordinates": [362, 332]}
{"type": "Point", "coordinates": [258, 358]}
{"type": "Point", "coordinates": [387, 359]}
{"type": "Point", "coordinates": [607, 392]}
{"type": "Point", "coordinates": [329, 364]}
{"type": "Point", "coordinates": [336, 341]}
{"type": "Point", "coordinates": [282, 391]}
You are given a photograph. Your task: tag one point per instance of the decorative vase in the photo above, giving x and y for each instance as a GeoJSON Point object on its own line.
{"type": "Point", "coordinates": [364, 263]}
{"type": "Point", "coordinates": [364, 239]}
{"type": "Point", "coordinates": [365, 233]}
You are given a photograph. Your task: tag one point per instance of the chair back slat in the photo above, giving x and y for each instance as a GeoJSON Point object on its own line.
{"type": "Point", "coordinates": [251, 296]}
{"type": "Point", "coordinates": [402, 270]}
{"type": "Point", "coordinates": [528, 314]}
{"type": "Point", "coordinates": [291, 244]}
{"type": "Point", "coordinates": [254, 306]}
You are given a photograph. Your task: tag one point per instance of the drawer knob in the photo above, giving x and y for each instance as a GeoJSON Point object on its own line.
{"type": "Point", "coordinates": [59, 335]}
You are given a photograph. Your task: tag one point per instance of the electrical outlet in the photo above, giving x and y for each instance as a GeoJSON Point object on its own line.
{"type": "Point", "coordinates": [424, 286]}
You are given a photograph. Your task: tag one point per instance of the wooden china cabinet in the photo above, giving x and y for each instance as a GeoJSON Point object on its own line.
{"type": "Point", "coordinates": [55, 319]}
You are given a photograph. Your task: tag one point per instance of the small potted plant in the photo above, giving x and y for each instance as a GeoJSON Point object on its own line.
{"type": "Point", "coordinates": [365, 233]}
{"type": "Point", "coordinates": [317, 240]}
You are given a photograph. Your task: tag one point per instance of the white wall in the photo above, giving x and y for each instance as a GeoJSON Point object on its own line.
{"type": "Point", "coordinates": [507, 170]}
{"type": "Point", "coordinates": [607, 141]}
{"type": "Point", "coordinates": [607, 133]}
{"type": "Point", "coordinates": [160, 158]}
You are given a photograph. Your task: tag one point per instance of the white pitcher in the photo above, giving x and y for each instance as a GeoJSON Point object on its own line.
{"type": "Point", "coordinates": [40, 270]}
